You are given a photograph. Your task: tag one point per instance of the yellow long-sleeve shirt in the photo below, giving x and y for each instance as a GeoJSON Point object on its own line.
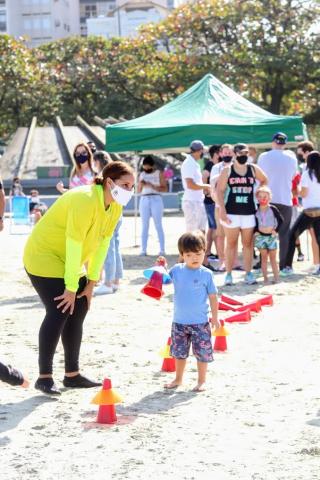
{"type": "Point", "coordinates": [75, 230]}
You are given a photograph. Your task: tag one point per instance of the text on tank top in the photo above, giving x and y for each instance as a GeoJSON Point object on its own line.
{"type": "Point", "coordinates": [240, 194]}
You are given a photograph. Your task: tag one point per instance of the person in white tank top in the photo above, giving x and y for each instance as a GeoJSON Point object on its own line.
{"type": "Point", "coordinates": [151, 184]}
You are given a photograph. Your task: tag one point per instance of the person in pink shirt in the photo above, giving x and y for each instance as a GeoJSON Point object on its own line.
{"type": "Point", "coordinates": [82, 172]}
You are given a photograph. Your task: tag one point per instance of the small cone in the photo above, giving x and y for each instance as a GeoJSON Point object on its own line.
{"type": "Point", "coordinates": [169, 363]}
{"type": "Point", "coordinates": [230, 300]}
{"type": "Point", "coordinates": [220, 344]}
{"type": "Point", "coordinates": [267, 300]}
{"type": "Point", "coordinates": [106, 399]}
{"type": "Point", "coordinates": [252, 306]}
{"type": "Point", "coordinates": [225, 306]}
{"type": "Point", "coordinates": [154, 287]}
{"type": "Point", "coordinates": [243, 316]}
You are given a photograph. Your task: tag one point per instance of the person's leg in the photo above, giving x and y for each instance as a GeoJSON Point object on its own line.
{"type": "Point", "coordinates": [232, 235]}
{"type": "Point", "coordinates": [118, 256]}
{"type": "Point", "coordinates": [247, 244]}
{"type": "Point", "coordinates": [71, 335]}
{"type": "Point", "coordinates": [145, 214]}
{"type": "Point", "coordinates": [53, 323]}
{"type": "Point", "coordinates": [300, 226]}
{"type": "Point", "coordinates": [274, 264]}
{"type": "Point", "coordinates": [315, 248]}
{"type": "Point", "coordinates": [202, 350]}
{"type": "Point", "coordinates": [286, 213]}
{"type": "Point", "coordinates": [179, 349]}
{"type": "Point", "coordinates": [110, 263]}
{"type": "Point", "coordinates": [220, 239]}
{"type": "Point", "coordinates": [157, 213]}
{"type": "Point", "coordinates": [264, 263]}
{"type": "Point", "coordinates": [211, 233]}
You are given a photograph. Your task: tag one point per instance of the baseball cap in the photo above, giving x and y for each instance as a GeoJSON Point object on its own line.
{"type": "Point", "coordinates": [196, 145]}
{"type": "Point", "coordinates": [239, 147]}
{"type": "Point", "coordinates": [280, 138]}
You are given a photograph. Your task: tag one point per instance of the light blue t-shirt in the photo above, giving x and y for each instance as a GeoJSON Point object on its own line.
{"type": "Point", "coordinates": [191, 290]}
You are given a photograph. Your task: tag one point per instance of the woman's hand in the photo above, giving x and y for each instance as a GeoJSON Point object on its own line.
{"type": "Point", "coordinates": [67, 301]}
{"type": "Point", "coordinates": [88, 292]}
{"type": "Point", "coordinates": [223, 217]}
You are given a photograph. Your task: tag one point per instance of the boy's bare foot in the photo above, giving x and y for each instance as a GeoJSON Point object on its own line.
{"type": "Point", "coordinates": [173, 384]}
{"type": "Point", "coordinates": [201, 387]}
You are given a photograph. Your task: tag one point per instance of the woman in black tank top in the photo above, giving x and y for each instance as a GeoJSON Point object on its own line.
{"type": "Point", "coordinates": [237, 208]}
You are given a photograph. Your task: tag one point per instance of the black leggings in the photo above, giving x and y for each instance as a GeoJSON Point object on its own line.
{"type": "Point", "coordinates": [302, 223]}
{"type": "Point", "coordinates": [56, 324]}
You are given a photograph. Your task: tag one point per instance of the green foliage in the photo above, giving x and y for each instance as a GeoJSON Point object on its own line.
{"type": "Point", "coordinates": [265, 49]}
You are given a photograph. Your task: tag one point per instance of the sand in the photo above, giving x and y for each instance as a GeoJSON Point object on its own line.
{"type": "Point", "coordinates": [259, 418]}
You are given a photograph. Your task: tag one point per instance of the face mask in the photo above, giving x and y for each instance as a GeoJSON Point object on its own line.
{"type": "Point", "coordinates": [120, 195]}
{"type": "Point", "coordinates": [148, 170]}
{"type": "Point", "coordinates": [202, 155]}
{"type": "Point", "coordinates": [300, 158]}
{"type": "Point", "coordinates": [35, 199]}
{"type": "Point", "coordinates": [226, 158]}
{"type": "Point", "coordinates": [242, 159]}
{"type": "Point", "coordinates": [82, 158]}
{"type": "Point", "coordinates": [263, 202]}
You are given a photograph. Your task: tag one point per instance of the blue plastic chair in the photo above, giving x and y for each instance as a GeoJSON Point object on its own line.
{"type": "Point", "coordinates": [20, 214]}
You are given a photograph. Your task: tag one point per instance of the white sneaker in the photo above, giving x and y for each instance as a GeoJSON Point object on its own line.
{"type": "Point", "coordinates": [102, 290]}
{"type": "Point", "coordinates": [115, 286]}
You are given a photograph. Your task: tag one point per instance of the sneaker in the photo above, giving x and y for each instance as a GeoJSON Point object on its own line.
{"type": "Point", "coordinates": [210, 267]}
{"type": "Point", "coordinates": [257, 266]}
{"type": "Point", "coordinates": [47, 385]}
{"type": "Point", "coordinates": [142, 254]}
{"type": "Point", "coordinates": [79, 381]}
{"type": "Point", "coordinates": [102, 290]}
{"type": "Point", "coordinates": [300, 257]}
{"type": "Point", "coordinates": [228, 280]}
{"type": "Point", "coordinates": [212, 256]}
{"type": "Point", "coordinates": [316, 271]}
{"type": "Point", "coordinates": [250, 279]}
{"type": "Point", "coordinates": [286, 271]}
{"type": "Point", "coordinates": [115, 287]}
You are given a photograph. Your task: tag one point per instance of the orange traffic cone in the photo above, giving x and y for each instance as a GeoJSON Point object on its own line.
{"type": "Point", "coordinates": [252, 306]}
{"type": "Point", "coordinates": [226, 306]}
{"type": "Point", "coordinates": [169, 363]}
{"type": "Point", "coordinates": [243, 316]}
{"type": "Point", "coordinates": [220, 344]}
{"type": "Point", "coordinates": [267, 300]}
{"type": "Point", "coordinates": [230, 300]}
{"type": "Point", "coordinates": [106, 399]}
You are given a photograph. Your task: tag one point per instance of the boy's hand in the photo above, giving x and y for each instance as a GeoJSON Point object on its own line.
{"type": "Point", "coordinates": [215, 323]}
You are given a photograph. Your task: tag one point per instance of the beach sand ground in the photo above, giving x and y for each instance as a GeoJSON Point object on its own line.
{"type": "Point", "coordinates": [259, 418]}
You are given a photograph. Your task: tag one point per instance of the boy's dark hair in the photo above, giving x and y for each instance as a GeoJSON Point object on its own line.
{"type": "Point", "coordinates": [191, 242]}
{"type": "Point", "coordinates": [214, 149]}
{"type": "Point", "coordinates": [148, 160]}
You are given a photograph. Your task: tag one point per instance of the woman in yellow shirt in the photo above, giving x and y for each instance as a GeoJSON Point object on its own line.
{"type": "Point", "coordinates": [75, 231]}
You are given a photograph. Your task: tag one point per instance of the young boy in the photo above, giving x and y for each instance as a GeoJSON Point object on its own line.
{"type": "Point", "coordinates": [12, 376]}
{"type": "Point", "coordinates": [268, 221]}
{"type": "Point", "coordinates": [194, 290]}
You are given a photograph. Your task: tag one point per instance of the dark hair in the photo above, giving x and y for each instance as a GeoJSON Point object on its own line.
{"type": "Point", "coordinates": [102, 157]}
{"type": "Point", "coordinates": [191, 242]}
{"type": "Point", "coordinates": [306, 146]}
{"type": "Point", "coordinates": [113, 170]}
{"type": "Point", "coordinates": [76, 167]}
{"type": "Point", "coordinates": [16, 179]}
{"type": "Point", "coordinates": [239, 147]}
{"type": "Point", "coordinates": [214, 149]}
{"type": "Point", "coordinates": [313, 164]}
{"type": "Point", "coordinates": [148, 160]}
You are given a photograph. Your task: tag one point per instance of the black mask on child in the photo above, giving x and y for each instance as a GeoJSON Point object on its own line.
{"type": "Point", "coordinates": [226, 158]}
{"type": "Point", "coordinates": [148, 170]}
{"type": "Point", "coordinates": [300, 157]}
{"type": "Point", "coordinates": [242, 159]}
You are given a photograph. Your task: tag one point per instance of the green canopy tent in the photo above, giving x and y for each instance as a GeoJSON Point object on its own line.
{"type": "Point", "coordinates": [209, 111]}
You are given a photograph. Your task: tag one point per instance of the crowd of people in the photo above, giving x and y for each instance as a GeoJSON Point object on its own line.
{"type": "Point", "coordinates": [256, 200]}
{"type": "Point", "coordinates": [236, 196]}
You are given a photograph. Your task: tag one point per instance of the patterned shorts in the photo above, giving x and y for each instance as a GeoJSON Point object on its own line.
{"type": "Point", "coordinates": [197, 334]}
{"type": "Point", "coordinates": [266, 242]}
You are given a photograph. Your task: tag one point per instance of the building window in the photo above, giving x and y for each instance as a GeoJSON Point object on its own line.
{"type": "Point", "coordinates": [90, 11]}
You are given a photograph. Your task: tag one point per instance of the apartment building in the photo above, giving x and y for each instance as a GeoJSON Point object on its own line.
{"type": "Point", "coordinates": [40, 21]}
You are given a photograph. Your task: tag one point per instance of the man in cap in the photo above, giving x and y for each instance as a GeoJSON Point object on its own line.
{"type": "Point", "coordinates": [280, 166]}
{"type": "Point", "coordinates": [192, 201]}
